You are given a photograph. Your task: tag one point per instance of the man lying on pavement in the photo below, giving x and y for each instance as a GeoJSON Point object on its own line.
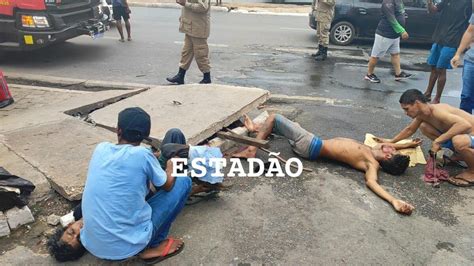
{"type": "Point", "coordinates": [446, 126]}
{"type": "Point", "coordinates": [118, 222]}
{"type": "Point", "coordinates": [349, 151]}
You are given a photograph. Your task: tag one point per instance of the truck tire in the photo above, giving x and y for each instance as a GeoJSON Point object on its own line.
{"type": "Point", "coordinates": [342, 33]}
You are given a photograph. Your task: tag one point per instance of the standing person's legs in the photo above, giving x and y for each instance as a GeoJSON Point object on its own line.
{"type": "Point", "coordinates": [372, 64]}
{"type": "Point", "coordinates": [432, 60]}
{"type": "Point", "coordinates": [380, 47]}
{"type": "Point", "coordinates": [166, 205]}
{"type": "Point", "coordinates": [467, 94]}
{"type": "Point", "coordinates": [201, 52]}
{"type": "Point", "coordinates": [395, 58]}
{"type": "Point", "coordinates": [444, 62]}
{"type": "Point", "coordinates": [440, 85]}
{"type": "Point", "coordinates": [129, 30]}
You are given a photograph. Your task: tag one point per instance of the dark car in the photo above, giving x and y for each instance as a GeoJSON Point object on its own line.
{"type": "Point", "coordinates": [358, 19]}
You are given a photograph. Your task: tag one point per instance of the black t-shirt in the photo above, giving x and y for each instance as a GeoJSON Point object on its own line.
{"type": "Point", "coordinates": [393, 19]}
{"type": "Point", "coordinates": [453, 22]}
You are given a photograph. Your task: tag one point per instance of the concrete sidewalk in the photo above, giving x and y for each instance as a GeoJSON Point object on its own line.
{"type": "Point", "coordinates": [240, 7]}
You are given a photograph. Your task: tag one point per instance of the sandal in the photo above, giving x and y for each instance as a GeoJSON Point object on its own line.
{"type": "Point", "coordinates": [460, 182]}
{"type": "Point", "coordinates": [165, 255]}
{"type": "Point", "coordinates": [203, 196]}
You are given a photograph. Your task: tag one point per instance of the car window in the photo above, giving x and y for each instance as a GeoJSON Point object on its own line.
{"type": "Point", "coordinates": [415, 3]}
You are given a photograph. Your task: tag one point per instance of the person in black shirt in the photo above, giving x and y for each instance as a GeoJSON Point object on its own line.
{"type": "Point", "coordinates": [453, 21]}
{"type": "Point", "coordinates": [387, 39]}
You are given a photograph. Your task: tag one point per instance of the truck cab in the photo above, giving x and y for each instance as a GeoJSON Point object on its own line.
{"type": "Point", "coordinates": [33, 24]}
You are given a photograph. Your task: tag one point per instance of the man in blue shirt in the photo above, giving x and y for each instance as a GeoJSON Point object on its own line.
{"type": "Point", "coordinates": [467, 94]}
{"type": "Point", "coordinates": [118, 222]}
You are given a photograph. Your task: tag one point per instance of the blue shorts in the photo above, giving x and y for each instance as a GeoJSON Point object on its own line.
{"type": "Point", "coordinates": [440, 56]}
{"type": "Point", "coordinates": [449, 144]}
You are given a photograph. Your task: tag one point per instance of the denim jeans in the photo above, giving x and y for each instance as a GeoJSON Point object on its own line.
{"type": "Point", "coordinates": [467, 94]}
{"type": "Point", "coordinates": [166, 205]}
{"type": "Point", "coordinates": [174, 135]}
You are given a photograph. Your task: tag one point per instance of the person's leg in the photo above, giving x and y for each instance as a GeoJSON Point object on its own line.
{"type": "Point", "coordinates": [264, 131]}
{"type": "Point", "coordinates": [174, 135]}
{"type": "Point", "coordinates": [429, 131]}
{"type": "Point", "coordinates": [129, 31]}
{"type": "Point", "coordinates": [201, 52]}
{"type": "Point", "coordinates": [118, 25]}
{"type": "Point", "coordinates": [187, 54]}
{"type": "Point", "coordinates": [463, 146]}
{"type": "Point", "coordinates": [467, 94]}
{"type": "Point", "coordinates": [431, 82]}
{"type": "Point", "coordinates": [372, 64]}
{"type": "Point", "coordinates": [433, 61]}
{"type": "Point", "coordinates": [166, 205]}
{"type": "Point", "coordinates": [396, 63]}
{"type": "Point", "coordinates": [440, 85]}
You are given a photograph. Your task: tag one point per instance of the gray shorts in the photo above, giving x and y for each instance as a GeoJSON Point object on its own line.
{"type": "Point", "coordinates": [383, 45]}
{"type": "Point", "coordinates": [304, 144]}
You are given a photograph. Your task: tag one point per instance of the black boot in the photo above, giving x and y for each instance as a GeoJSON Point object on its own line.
{"type": "Point", "coordinates": [179, 78]}
{"type": "Point", "coordinates": [206, 79]}
{"type": "Point", "coordinates": [320, 47]}
{"type": "Point", "coordinates": [323, 55]}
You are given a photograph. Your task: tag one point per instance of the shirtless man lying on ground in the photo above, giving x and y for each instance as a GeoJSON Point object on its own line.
{"type": "Point", "coordinates": [349, 151]}
{"type": "Point", "coordinates": [446, 126]}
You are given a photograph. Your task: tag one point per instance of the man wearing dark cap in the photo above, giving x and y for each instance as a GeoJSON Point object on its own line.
{"type": "Point", "coordinates": [118, 222]}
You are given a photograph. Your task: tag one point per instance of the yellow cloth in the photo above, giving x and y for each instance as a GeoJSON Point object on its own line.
{"type": "Point", "coordinates": [416, 154]}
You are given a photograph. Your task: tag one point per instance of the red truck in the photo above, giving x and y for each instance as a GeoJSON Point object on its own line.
{"type": "Point", "coordinates": [32, 24]}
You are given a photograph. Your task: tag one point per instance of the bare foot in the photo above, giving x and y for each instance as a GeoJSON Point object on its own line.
{"type": "Point", "coordinates": [129, 39]}
{"type": "Point", "coordinates": [249, 123]}
{"type": "Point", "coordinates": [158, 250]}
{"type": "Point", "coordinates": [428, 96]}
{"type": "Point", "coordinates": [121, 40]}
{"type": "Point", "coordinates": [467, 176]}
{"type": "Point", "coordinates": [435, 101]}
{"type": "Point", "coordinates": [250, 152]}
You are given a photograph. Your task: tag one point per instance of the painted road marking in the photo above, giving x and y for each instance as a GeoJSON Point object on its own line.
{"type": "Point", "coordinates": [210, 44]}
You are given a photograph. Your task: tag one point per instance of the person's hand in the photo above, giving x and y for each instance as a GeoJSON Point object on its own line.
{"type": "Point", "coordinates": [381, 140]}
{"type": "Point", "coordinates": [416, 142]}
{"type": "Point", "coordinates": [405, 35]}
{"type": "Point", "coordinates": [455, 61]}
{"type": "Point", "coordinates": [128, 11]}
{"type": "Point", "coordinates": [157, 154]}
{"type": "Point", "coordinates": [181, 2]}
{"type": "Point", "coordinates": [435, 147]}
{"type": "Point", "coordinates": [403, 207]}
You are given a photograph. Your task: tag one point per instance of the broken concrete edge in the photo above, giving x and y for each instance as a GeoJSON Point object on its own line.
{"type": "Point", "coordinates": [230, 9]}
{"type": "Point", "coordinates": [63, 83]}
{"type": "Point", "coordinates": [89, 108]}
{"type": "Point", "coordinates": [282, 98]}
{"type": "Point", "coordinates": [17, 217]}
{"type": "Point", "coordinates": [229, 120]}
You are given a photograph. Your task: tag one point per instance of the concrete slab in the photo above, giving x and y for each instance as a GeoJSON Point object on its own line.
{"type": "Point", "coordinates": [18, 166]}
{"type": "Point", "coordinates": [198, 110]}
{"type": "Point", "coordinates": [60, 150]}
{"type": "Point", "coordinates": [17, 217]}
{"type": "Point", "coordinates": [4, 228]}
{"type": "Point", "coordinates": [38, 105]}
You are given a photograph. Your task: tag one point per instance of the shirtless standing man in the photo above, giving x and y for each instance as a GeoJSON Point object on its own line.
{"type": "Point", "coordinates": [349, 151]}
{"type": "Point", "coordinates": [445, 125]}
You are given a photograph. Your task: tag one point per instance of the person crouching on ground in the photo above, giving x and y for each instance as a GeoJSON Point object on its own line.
{"type": "Point", "coordinates": [118, 222]}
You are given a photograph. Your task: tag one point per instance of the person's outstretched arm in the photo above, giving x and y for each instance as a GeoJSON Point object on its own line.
{"type": "Point", "coordinates": [201, 6]}
{"type": "Point", "coordinates": [408, 131]}
{"type": "Point", "coordinates": [467, 38]}
{"type": "Point", "coordinates": [371, 181]}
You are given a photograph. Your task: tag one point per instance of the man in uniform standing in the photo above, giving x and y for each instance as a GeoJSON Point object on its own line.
{"type": "Point", "coordinates": [324, 13]}
{"type": "Point", "coordinates": [195, 24]}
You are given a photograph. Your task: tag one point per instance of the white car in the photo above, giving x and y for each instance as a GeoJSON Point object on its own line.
{"type": "Point", "coordinates": [106, 9]}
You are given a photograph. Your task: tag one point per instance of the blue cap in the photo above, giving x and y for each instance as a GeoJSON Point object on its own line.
{"type": "Point", "coordinates": [135, 124]}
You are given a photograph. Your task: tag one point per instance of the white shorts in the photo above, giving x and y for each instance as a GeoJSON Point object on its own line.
{"type": "Point", "coordinates": [383, 45]}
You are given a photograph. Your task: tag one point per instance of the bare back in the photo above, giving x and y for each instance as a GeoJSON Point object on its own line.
{"type": "Point", "coordinates": [348, 151]}
{"type": "Point", "coordinates": [441, 117]}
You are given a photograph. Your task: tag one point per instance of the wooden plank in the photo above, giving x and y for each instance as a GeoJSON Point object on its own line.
{"type": "Point", "coordinates": [243, 139]}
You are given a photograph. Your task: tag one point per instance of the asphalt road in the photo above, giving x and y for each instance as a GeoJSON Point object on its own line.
{"type": "Point", "coordinates": [325, 217]}
{"type": "Point", "coordinates": [265, 51]}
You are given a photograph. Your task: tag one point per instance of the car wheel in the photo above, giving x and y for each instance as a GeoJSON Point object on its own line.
{"type": "Point", "coordinates": [342, 33]}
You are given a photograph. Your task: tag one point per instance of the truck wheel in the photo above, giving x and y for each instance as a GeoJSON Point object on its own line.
{"type": "Point", "coordinates": [342, 33]}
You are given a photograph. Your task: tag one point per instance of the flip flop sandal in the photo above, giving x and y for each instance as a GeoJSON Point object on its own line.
{"type": "Point", "coordinates": [165, 255]}
{"type": "Point", "coordinates": [456, 183]}
{"type": "Point", "coordinates": [196, 198]}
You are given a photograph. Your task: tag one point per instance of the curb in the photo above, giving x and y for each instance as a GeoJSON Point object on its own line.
{"type": "Point", "coordinates": [219, 9]}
